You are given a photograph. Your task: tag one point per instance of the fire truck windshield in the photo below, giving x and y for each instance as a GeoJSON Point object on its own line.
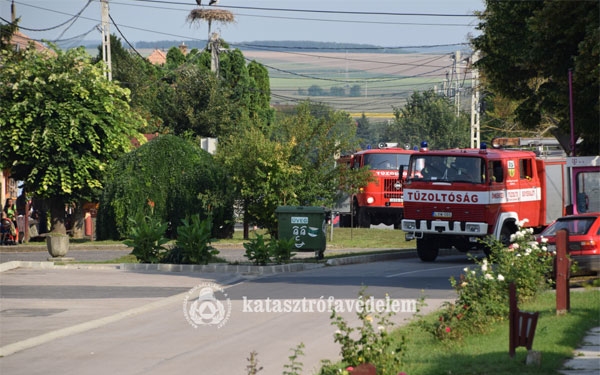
{"type": "Point", "coordinates": [389, 161]}
{"type": "Point", "coordinates": [447, 168]}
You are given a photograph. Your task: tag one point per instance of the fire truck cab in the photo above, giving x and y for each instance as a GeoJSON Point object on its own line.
{"type": "Point", "coordinates": [380, 201]}
{"type": "Point", "coordinates": [455, 198]}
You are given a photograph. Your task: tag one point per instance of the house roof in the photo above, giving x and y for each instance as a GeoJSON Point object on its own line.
{"type": "Point", "coordinates": [22, 41]}
{"type": "Point", "coordinates": [157, 57]}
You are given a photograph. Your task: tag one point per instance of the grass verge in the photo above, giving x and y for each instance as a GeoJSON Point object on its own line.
{"type": "Point", "coordinates": [556, 338]}
{"type": "Point", "coordinates": [344, 238]}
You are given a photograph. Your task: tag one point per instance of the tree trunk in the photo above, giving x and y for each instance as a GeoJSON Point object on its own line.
{"type": "Point", "coordinates": [57, 216]}
{"type": "Point", "coordinates": [78, 222]}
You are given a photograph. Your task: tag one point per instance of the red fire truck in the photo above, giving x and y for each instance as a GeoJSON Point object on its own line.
{"type": "Point", "coordinates": [455, 198]}
{"type": "Point", "coordinates": [380, 201]}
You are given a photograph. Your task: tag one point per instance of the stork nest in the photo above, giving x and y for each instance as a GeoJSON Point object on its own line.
{"type": "Point", "coordinates": [210, 15]}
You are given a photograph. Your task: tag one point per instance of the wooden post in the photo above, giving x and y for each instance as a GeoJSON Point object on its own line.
{"type": "Point", "coordinates": [521, 324]}
{"type": "Point", "coordinates": [562, 270]}
{"type": "Point", "coordinates": [512, 312]}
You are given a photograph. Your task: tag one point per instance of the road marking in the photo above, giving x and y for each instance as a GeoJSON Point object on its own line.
{"type": "Point", "coordinates": [429, 269]}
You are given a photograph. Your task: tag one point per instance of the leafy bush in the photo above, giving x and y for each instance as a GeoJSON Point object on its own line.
{"type": "Point", "coordinates": [483, 289]}
{"type": "Point", "coordinates": [258, 250]}
{"type": "Point", "coordinates": [262, 252]}
{"type": "Point", "coordinates": [281, 250]}
{"type": "Point", "coordinates": [174, 173]}
{"type": "Point", "coordinates": [367, 344]}
{"type": "Point", "coordinates": [146, 236]}
{"type": "Point", "coordinates": [193, 242]}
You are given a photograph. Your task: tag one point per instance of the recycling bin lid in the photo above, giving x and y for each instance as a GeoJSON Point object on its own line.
{"type": "Point", "coordinates": [300, 209]}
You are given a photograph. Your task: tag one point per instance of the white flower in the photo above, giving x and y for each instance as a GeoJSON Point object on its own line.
{"type": "Point", "coordinates": [484, 267]}
{"type": "Point", "coordinates": [381, 328]}
{"type": "Point", "coordinates": [515, 246]}
{"type": "Point", "coordinates": [544, 240]}
{"type": "Point", "coordinates": [473, 272]}
{"type": "Point", "coordinates": [466, 269]}
{"type": "Point", "coordinates": [523, 222]}
{"type": "Point", "coordinates": [527, 251]}
{"type": "Point", "coordinates": [487, 276]}
{"type": "Point", "coordinates": [500, 277]}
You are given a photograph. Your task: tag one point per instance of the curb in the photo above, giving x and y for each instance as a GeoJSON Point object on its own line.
{"type": "Point", "coordinates": [209, 268]}
{"type": "Point", "coordinates": [400, 254]}
{"type": "Point", "coordinates": [220, 267]}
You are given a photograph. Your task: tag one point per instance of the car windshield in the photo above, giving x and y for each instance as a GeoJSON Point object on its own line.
{"type": "Point", "coordinates": [575, 225]}
{"type": "Point", "coordinates": [386, 161]}
{"type": "Point", "coordinates": [447, 168]}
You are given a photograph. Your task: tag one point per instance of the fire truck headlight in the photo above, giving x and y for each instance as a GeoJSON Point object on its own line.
{"type": "Point", "coordinates": [409, 225]}
{"type": "Point", "coordinates": [370, 200]}
{"type": "Point", "coordinates": [473, 228]}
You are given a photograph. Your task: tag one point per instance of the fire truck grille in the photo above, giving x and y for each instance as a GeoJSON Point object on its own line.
{"type": "Point", "coordinates": [393, 195]}
{"type": "Point", "coordinates": [460, 212]}
{"type": "Point", "coordinates": [389, 185]}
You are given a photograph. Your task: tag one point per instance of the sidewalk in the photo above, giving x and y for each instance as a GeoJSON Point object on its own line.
{"type": "Point", "coordinates": [586, 358]}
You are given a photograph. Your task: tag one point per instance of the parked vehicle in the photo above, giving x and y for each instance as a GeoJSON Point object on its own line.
{"type": "Point", "coordinates": [584, 239]}
{"type": "Point", "coordinates": [380, 201]}
{"type": "Point", "coordinates": [457, 197]}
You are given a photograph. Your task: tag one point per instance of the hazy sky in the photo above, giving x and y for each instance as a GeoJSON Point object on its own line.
{"type": "Point", "coordinates": [391, 23]}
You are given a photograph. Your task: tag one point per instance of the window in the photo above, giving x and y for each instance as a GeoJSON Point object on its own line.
{"type": "Point", "coordinates": [497, 171]}
{"type": "Point", "coordinates": [525, 169]}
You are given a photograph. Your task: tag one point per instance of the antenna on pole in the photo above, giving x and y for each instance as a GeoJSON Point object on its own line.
{"type": "Point", "coordinates": [475, 103]}
{"type": "Point", "coordinates": [106, 40]}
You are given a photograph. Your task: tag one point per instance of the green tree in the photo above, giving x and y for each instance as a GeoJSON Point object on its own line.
{"type": "Point", "coordinates": [261, 174]}
{"type": "Point", "coordinates": [315, 90]}
{"type": "Point", "coordinates": [429, 117]}
{"type": "Point", "coordinates": [260, 106]}
{"type": "Point", "coordinates": [355, 91]}
{"type": "Point", "coordinates": [319, 134]}
{"type": "Point", "coordinates": [196, 102]}
{"type": "Point", "coordinates": [173, 178]}
{"type": "Point", "coordinates": [527, 51]}
{"type": "Point", "coordinates": [175, 57]}
{"type": "Point", "coordinates": [6, 33]}
{"type": "Point", "coordinates": [143, 79]}
{"type": "Point", "coordinates": [61, 125]}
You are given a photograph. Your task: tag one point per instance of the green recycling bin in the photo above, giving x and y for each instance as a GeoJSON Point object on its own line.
{"type": "Point", "coordinates": [306, 225]}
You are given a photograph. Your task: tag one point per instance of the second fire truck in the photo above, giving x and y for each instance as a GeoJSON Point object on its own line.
{"type": "Point", "coordinates": [381, 201]}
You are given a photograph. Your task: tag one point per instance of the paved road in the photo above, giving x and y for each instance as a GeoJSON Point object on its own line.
{"type": "Point", "coordinates": [96, 320]}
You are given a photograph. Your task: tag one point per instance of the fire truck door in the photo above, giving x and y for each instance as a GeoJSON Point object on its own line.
{"type": "Point", "coordinates": [529, 191]}
{"type": "Point", "coordinates": [496, 177]}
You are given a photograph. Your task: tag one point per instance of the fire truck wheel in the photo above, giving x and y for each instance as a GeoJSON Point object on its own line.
{"type": "Point", "coordinates": [364, 220]}
{"type": "Point", "coordinates": [505, 233]}
{"type": "Point", "coordinates": [427, 249]}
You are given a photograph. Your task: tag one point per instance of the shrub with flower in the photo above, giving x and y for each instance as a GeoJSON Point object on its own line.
{"type": "Point", "coordinates": [368, 343]}
{"type": "Point", "coordinates": [483, 289]}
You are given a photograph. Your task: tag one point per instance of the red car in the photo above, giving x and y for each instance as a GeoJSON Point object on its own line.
{"type": "Point", "coordinates": [584, 239]}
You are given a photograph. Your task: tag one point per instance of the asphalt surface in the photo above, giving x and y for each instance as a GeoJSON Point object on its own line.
{"type": "Point", "coordinates": [41, 302]}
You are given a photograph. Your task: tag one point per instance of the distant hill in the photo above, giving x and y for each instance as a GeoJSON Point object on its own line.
{"type": "Point", "coordinates": [291, 46]}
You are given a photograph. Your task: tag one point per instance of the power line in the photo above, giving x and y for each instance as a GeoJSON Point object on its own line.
{"type": "Point", "coordinates": [324, 11]}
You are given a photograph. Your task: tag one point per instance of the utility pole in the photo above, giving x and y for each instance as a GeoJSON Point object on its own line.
{"type": "Point", "coordinates": [475, 123]}
{"type": "Point", "coordinates": [106, 40]}
{"type": "Point", "coordinates": [214, 53]}
{"type": "Point", "coordinates": [457, 83]}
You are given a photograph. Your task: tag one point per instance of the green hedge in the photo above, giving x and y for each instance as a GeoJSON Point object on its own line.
{"type": "Point", "coordinates": [169, 178]}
